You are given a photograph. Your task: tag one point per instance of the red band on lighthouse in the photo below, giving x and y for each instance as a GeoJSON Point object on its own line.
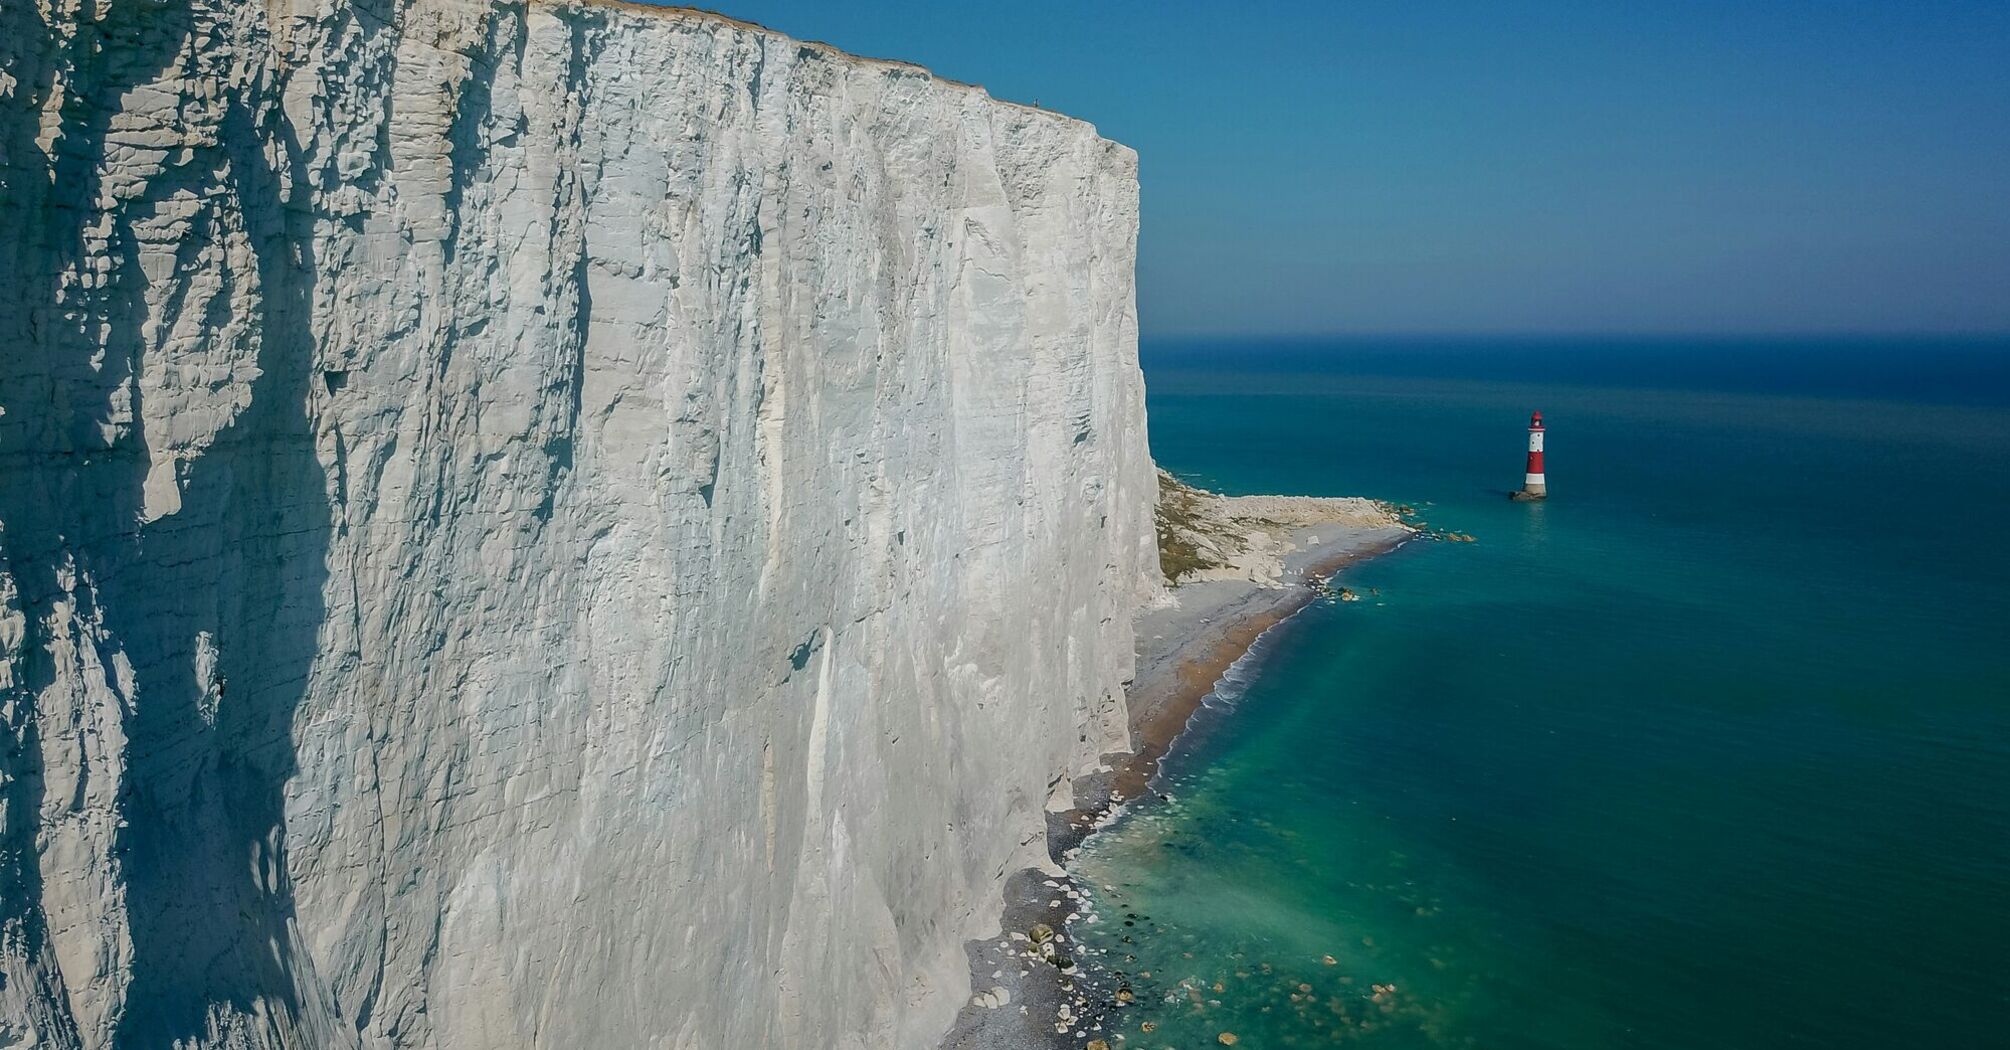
{"type": "Point", "coordinates": [1533, 484]}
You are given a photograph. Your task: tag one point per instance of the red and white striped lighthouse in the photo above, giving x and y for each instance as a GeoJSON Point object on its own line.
{"type": "Point", "coordinates": [1533, 485]}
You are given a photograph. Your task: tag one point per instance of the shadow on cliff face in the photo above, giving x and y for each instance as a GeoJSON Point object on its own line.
{"type": "Point", "coordinates": [27, 53]}
{"type": "Point", "coordinates": [218, 607]}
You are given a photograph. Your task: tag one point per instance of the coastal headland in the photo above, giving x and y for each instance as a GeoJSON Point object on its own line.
{"type": "Point", "coordinates": [553, 524]}
{"type": "Point", "coordinates": [1236, 566]}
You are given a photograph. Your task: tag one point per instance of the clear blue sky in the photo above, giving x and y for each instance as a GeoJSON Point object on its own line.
{"type": "Point", "coordinates": [1319, 166]}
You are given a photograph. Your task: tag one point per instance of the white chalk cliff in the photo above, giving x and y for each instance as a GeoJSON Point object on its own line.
{"type": "Point", "coordinates": [539, 525]}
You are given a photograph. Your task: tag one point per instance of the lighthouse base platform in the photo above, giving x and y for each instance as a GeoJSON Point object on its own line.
{"type": "Point", "coordinates": [1525, 496]}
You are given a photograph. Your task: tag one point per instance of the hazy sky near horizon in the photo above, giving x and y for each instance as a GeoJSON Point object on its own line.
{"type": "Point", "coordinates": [1321, 166]}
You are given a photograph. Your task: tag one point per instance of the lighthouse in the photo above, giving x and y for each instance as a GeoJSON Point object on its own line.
{"type": "Point", "coordinates": [1532, 485]}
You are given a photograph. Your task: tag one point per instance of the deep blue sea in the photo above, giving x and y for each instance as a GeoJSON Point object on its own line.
{"type": "Point", "coordinates": [1712, 749]}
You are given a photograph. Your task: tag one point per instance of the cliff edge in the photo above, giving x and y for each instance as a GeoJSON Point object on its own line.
{"type": "Point", "coordinates": [539, 525]}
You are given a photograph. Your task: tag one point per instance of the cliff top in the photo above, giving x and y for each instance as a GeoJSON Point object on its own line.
{"type": "Point", "coordinates": [699, 14]}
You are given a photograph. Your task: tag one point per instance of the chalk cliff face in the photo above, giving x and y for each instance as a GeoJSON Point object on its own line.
{"type": "Point", "coordinates": [543, 525]}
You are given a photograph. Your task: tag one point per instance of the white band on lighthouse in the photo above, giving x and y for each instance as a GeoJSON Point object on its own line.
{"type": "Point", "coordinates": [1532, 481]}
{"type": "Point", "coordinates": [1535, 441]}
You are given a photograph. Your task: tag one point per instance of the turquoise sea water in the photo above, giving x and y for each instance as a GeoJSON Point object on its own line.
{"type": "Point", "coordinates": [1710, 750]}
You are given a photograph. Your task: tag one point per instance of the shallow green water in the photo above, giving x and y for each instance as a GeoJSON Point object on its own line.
{"type": "Point", "coordinates": [1712, 749]}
